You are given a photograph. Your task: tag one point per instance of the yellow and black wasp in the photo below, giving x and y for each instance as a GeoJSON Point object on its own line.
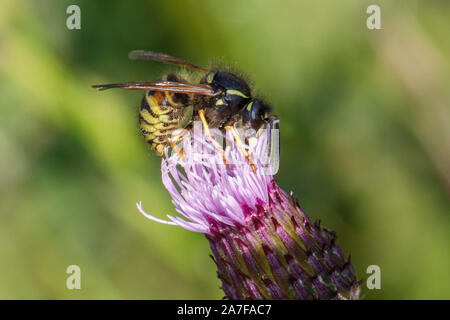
{"type": "Point", "coordinates": [219, 100]}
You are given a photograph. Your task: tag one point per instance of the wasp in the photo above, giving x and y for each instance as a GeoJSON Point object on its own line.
{"type": "Point", "coordinates": [219, 100]}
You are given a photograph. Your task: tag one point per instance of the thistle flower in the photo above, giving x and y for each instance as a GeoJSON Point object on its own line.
{"type": "Point", "coordinates": [264, 246]}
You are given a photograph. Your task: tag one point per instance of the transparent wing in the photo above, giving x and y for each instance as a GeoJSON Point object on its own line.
{"type": "Point", "coordinates": [169, 86]}
{"type": "Point", "coordinates": [156, 56]}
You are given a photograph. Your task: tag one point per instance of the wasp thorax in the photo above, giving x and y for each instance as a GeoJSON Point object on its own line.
{"type": "Point", "coordinates": [235, 91]}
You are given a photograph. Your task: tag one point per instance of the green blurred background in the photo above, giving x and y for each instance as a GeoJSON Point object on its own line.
{"type": "Point", "coordinates": [365, 138]}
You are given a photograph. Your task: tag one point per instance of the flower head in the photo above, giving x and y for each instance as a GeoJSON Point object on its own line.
{"type": "Point", "coordinates": [207, 190]}
{"type": "Point", "coordinates": [264, 246]}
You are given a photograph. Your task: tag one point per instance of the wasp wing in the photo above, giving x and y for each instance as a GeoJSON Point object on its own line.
{"type": "Point", "coordinates": [156, 56]}
{"type": "Point", "coordinates": [169, 86]}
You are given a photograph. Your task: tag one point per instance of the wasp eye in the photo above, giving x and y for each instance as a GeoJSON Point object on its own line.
{"type": "Point", "coordinates": [253, 113]}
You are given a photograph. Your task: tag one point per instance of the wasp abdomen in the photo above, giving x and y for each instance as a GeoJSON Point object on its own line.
{"type": "Point", "coordinates": [156, 120]}
{"type": "Point", "coordinates": [161, 113]}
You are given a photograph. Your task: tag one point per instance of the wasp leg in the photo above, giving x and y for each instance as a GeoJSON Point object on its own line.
{"type": "Point", "coordinates": [201, 114]}
{"type": "Point", "coordinates": [175, 139]}
{"type": "Point", "coordinates": [240, 145]}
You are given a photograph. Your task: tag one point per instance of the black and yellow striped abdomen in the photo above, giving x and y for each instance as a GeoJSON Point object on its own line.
{"type": "Point", "coordinates": [160, 115]}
